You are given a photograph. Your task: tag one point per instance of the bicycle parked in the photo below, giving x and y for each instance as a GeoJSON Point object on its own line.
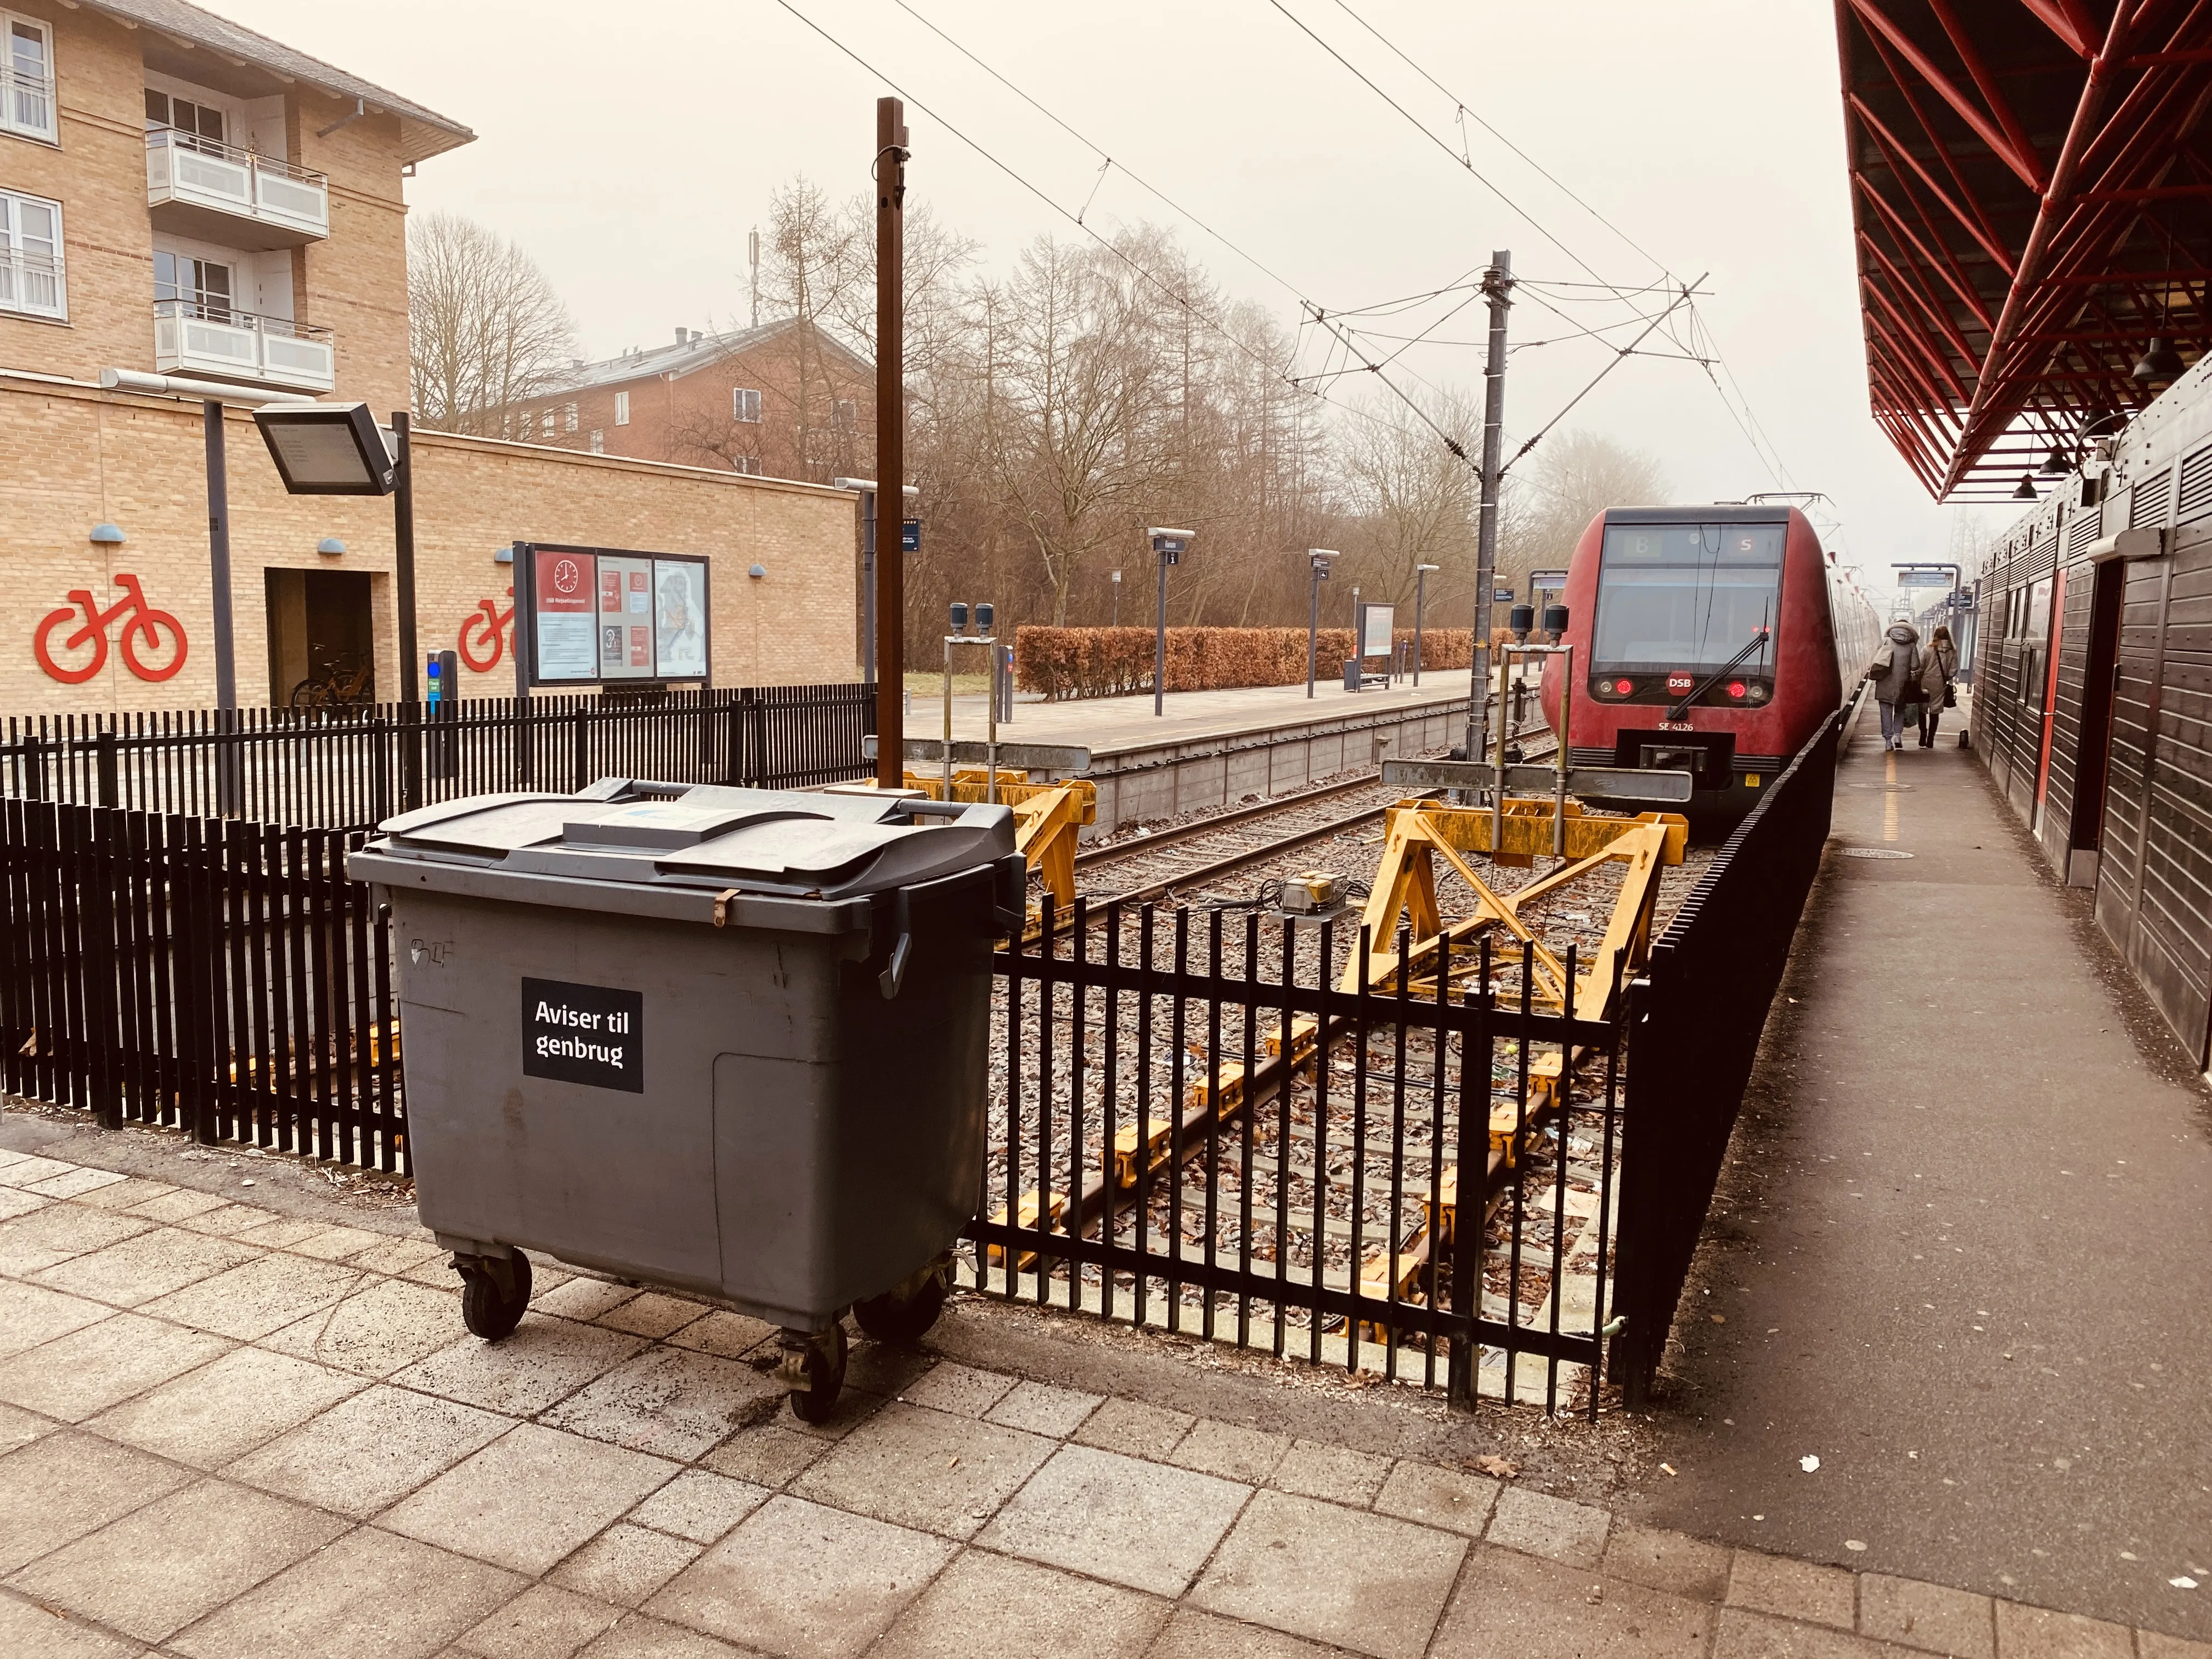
{"type": "Point", "coordinates": [340, 682]}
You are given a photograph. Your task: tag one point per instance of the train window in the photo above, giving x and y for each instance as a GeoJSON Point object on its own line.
{"type": "Point", "coordinates": [2035, 630]}
{"type": "Point", "coordinates": [1680, 596]}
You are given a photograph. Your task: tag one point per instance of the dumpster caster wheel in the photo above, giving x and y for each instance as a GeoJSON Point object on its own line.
{"type": "Point", "coordinates": [495, 1292]}
{"type": "Point", "coordinates": [813, 1370]}
{"type": "Point", "coordinates": [904, 1314]}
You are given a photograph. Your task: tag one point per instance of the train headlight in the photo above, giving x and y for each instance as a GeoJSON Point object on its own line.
{"type": "Point", "coordinates": [1760, 694]}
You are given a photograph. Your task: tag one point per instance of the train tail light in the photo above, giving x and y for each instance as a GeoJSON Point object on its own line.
{"type": "Point", "coordinates": [1622, 688]}
{"type": "Point", "coordinates": [1736, 688]}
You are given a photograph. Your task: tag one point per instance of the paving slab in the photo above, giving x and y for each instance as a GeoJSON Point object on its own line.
{"type": "Point", "coordinates": [125, 1194]}
{"type": "Point", "coordinates": [1743, 1634]}
{"type": "Point", "coordinates": [960, 1389]}
{"type": "Point", "coordinates": [1360, 1581]}
{"type": "Point", "coordinates": [30, 1314]}
{"type": "Point", "coordinates": [1041, 1408]}
{"type": "Point", "coordinates": [370, 1451]}
{"type": "Point", "coordinates": [771, 1455]}
{"type": "Point", "coordinates": [338, 1243]}
{"type": "Point", "coordinates": [225, 1220]}
{"type": "Point", "coordinates": [1148, 1526]}
{"type": "Point", "coordinates": [541, 1361]}
{"type": "Point", "coordinates": [1335, 1473]}
{"type": "Point", "coordinates": [1191, 1634]}
{"type": "Point", "coordinates": [38, 1632]}
{"type": "Point", "coordinates": [378, 1328]}
{"type": "Point", "coordinates": [64, 1485]}
{"type": "Point", "coordinates": [732, 1335]}
{"type": "Point", "coordinates": [1927, 1616]}
{"type": "Point", "coordinates": [1511, 1603]}
{"type": "Point", "coordinates": [1231, 1450]}
{"type": "Point", "coordinates": [396, 1256]}
{"type": "Point", "coordinates": [56, 1232]}
{"type": "Point", "coordinates": [700, 1506]}
{"type": "Point", "coordinates": [626, 1565]}
{"type": "Point", "coordinates": [177, 1206]}
{"type": "Point", "coordinates": [641, 1637]}
{"type": "Point", "coordinates": [583, 1299]}
{"type": "Point", "coordinates": [210, 1417]}
{"type": "Point", "coordinates": [669, 1401]}
{"type": "Point", "coordinates": [985, 1607]}
{"type": "Point", "coordinates": [264, 1295]}
{"type": "Point", "coordinates": [1795, 1590]}
{"type": "Point", "coordinates": [75, 1183]}
{"type": "Point", "coordinates": [2025, 1632]}
{"type": "Point", "coordinates": [654, 1313]}
{"type": "Point", "coordinates": [803, 1582]}
{"type": "Point", "coordinates": [925, 1468]}
{"type": "Point", "coordinates": [155, 1571]}
{"type": "Point", "coordinates": [529, 1498]}
{"type": "Point", "coordinates": [89, 1369]}
{"type": "Point", "coordinates": [543, 1622]}
{"type": "Point", "coordinates": [1536, 1523]}
{"type": "Point", "coordinates": [156, 1261]}
{"type": "Point", "coordinates": [1134, 1429]}
{"type": "Point", "coordinates": [14, 1202]}
{"type": "Point", "coordinates": [20, 1428]}
{"type": "Point", "coordinates": [1669, 1561]}
{"type": "Point", "coordinates": [25, 1168]}
{"type": "Point", "coordinates": [372, 1595]}
{"type": "Point", "coordinates": [1456, 1502]}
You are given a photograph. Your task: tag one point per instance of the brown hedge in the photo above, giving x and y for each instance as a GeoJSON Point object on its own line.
{"type": "Point", "coordinates": [1107, 662]}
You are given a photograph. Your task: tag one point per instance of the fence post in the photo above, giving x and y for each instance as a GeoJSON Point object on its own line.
{"type": "Point", "coordinates": [1630, 1358]}
{"type": "Point", "coordinates": [104, 766]}
{"type": "Point", "coordinates": [34, 766]}
{"type": "Point", "coordinates": [581, 736]}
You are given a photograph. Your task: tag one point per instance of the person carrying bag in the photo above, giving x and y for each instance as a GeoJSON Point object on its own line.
{"type": "Point", "coordinates": [1938, 685]}
{"type": "Point", "coordinates": [1897, 666]}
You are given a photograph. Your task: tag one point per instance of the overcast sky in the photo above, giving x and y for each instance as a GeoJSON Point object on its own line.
{"type": "Point", "coordinates": [630, 148]}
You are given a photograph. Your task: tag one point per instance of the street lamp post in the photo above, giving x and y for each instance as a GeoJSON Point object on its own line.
{"type": "Point", "coordinates": [1421, 597]}
{"type": "Point", "coordinates": [1317, 560]}
{"type": "Point", "coordinates": [1117, 599]}
{"type": "Point", "coordinates": [865, 489]}
{"type": "Point", "coordinates": [1167, 546]}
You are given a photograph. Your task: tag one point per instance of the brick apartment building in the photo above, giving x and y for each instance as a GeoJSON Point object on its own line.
{"type": "Point", "coordinates": [783, 400]}
{"type": "Point", "coordinates": [182, 195]}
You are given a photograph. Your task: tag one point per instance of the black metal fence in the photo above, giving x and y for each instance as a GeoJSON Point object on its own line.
{"type": "Point", "coordinates": [1695, 1022]}
{"type": "Point", "coordinates": [1198, 1128]}
{"type": "Point", "coordinates": [348, 768]}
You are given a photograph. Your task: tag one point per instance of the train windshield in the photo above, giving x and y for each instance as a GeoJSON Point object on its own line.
{"type": "Point", "coordinates": [1685, 595]}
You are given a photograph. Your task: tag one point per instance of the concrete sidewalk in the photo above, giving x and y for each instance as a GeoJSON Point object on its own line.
{"type": "Point", "coordinates": [1963, 1251]}
{"type": "Point", "coordinates": [234, 1432]}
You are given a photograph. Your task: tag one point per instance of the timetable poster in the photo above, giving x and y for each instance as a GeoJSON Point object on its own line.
{"type": "Point", "coordinates": [568, 649]}
{"type": "Point", "coordinates": [625, 617]}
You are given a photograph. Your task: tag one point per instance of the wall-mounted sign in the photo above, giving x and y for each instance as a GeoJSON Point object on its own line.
{"type": "Point", "coordinates": [152, 641]}
{"type": "Point", "coordinates": [910, 536]}
{"type": "Point", "coordinates": [601, 616]}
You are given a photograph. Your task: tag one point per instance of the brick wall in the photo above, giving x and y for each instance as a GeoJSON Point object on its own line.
{"type": "Point", "coordinates": [74, 457]}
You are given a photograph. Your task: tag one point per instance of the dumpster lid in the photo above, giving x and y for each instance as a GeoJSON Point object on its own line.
{"type": "Point", "coordinates": [761, 841]}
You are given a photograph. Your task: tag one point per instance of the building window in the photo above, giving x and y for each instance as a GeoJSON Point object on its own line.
{"type": "Point", "coordinates": [31, 256]}
{"type": "Point", "coordinates": [748, 465]}
{"type": "Point", "coordinates": [598, 441]}
{"type": "Point", "coordinates": [745, 403]}
{"type": "Point", "coordinates": [191, 288]}
{"type": "Point", "coordinates": [183, 115]}
{"type": "Point", "coordinates": [26, 78]}
{"type": "Point", "coordinates": [568, 418]}
{"type": "Point", "coordinates": [621, 409]}
{"type": "Point", "coordinates": [844, 414]}
{"type": "Point", "coordinates": [547, 424]}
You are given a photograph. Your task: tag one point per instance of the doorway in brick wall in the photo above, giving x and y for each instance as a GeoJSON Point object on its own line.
{"type": "Point", "coordinates": [322, 645]}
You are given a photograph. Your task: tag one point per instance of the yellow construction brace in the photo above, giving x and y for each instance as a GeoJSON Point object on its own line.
{"type": "Point", "coordinates": [1047, 817]}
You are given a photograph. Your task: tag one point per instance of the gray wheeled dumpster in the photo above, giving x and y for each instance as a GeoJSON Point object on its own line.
{"type": "Point", "coordinates": [731, 1041]}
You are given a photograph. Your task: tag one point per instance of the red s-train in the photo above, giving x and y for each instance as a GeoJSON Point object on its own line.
{"type": "Point", "coordinates": [1712, 640]}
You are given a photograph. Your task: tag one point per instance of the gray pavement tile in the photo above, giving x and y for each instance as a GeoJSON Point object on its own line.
{"type": "Point", "coordinates": [1336, 1473]}
{"type": "Point", "coordinates": [732, 1335]}
{"type": "Point", "coordinates": [803, 1582]}
{"type": "Point", "coordinates": [669, 1401]}
{"type": "Point", "coordinates": [1042, 1409]}
{"type": "Point", "coordinates": [1438, 1497]}
{"type": "Point", "coordinates": [379, 1328]}
{"type": "Point", "coordinates": [264, 1295]}
{"type": "Point", "coordinates": [883, 1369]}
{"type": "Point", "coordinates": [125, 1194]}
{"type": "Point", "coordinates": [543, 1622]}
{"type": "Point", "coordinates": [1669, 1561]}
{"type": "Point", "coordinates": [337, 1244]}
{"type": "Point", "coordinates": [1364, 1582]}
{"type": "Point", "coordinates": [1230, 1450]}
{"type": "Point", "coordinates": [57, 1232]}
{"type": "Point", "coordinates": [1933, 1617]}
{"type": "Point", "coordinates": [14, 1202]}
{"type": "Point", "coordinates": [28, 1631]}
{"type": "Point", "coordinates": [1795, 1590]}
{"type": "Point", "coordinates": [1135, 1429]}
{"type": "Point", "coordinates": [639, 1636]}
{"type": "Point", "coordinates": [1145, 1525]}
{"type": "Point", "coordinates": [541, 1361]}
{"type": "Point", "coordinates": [1743, 1634]}
{"type": "Point", "coordinates": [2149, 1645]}
{"type": "Point", "coordinates": [396, 1256]}
{"type": "Point", "coordinates": [65, 1485]}
{"type": "Point", "coordinates": [654, 1313]}
{"type": "Point", "coordinates": [699, 1506]}
{"type": "Point", "coordinates": [22, 1168]}
{"type": "Point", "coordinates": [30, 1314]}
{"type": "Point", "coordinates": [224, 1219]}
{"type": "Point", "coordinates": [280, 1232]}
{"type": "Point", "coordinates": [366, 1452]}
{"type": "Point", "coordinates": [156, 1570]}
{"type": "Point", "coordinates": [74, 1183]}
{"type": "Point", "coordinates": [985, 1607]}
{"type": "Point", "coordinates": [960, 1389]}
{"type": "Point", "coordinates": [1193, 1635]}
{"type": "Point", "coordinates": [155, 1263]}
{"type": "Point", "coordinates": [528, 1499]}
{"type": "Point", "coordinates": [1536, 1523]}
{"type": "Point", "coordinates": [1510, 1603]}
{"type": "Point", "coordinates": [626, 1564]}
{"type": "Point", "coordinates": [581, 1298]}
{"type": "Point", "coordinates": [768, 1455]}
{"type": "Point", "coordinates": [208, 1417]}
{"type": "Point", "coordinates": [369, 1595]}
{"type": "Point", "coordinates": [925, 1468]}
{"type": "Point", "coordinates": [21, 1428]}
{"type": "Point", "coordinates": [89, 1369]}
{"type": "Point", "coordinates": [2025, 1632]}
{"type": "Point", "coordinates": [177, 1205]}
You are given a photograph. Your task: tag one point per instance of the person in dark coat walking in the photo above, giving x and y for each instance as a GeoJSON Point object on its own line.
{"type": "Point", "coordinates": [1895, 672]}
{"type": "Point", "coordinates": [1939, 670]}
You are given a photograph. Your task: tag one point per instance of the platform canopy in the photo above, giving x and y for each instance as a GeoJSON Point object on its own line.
{"type": "Point", "coordinates": [2032, 199]}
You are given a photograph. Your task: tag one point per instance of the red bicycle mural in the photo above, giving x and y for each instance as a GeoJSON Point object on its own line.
{"type": "Point", "coordinates": [488, 623]}
{"type": "Point", "coordinates": [143, 621]}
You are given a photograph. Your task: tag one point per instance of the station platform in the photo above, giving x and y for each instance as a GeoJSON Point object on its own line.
{"type": "Point", "coordinates": [1962, 1254]}
{"type": "Point", "coordinates": [1115, 723]}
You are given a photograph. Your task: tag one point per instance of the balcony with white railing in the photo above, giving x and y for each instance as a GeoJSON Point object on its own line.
{"type": "Point", "coordinates": [27, 102]}
{"type": "Point", "coordinates": [218, 193]}
{"type": "Point", "coordinates": [31, 283]}
{"type": "Point", "coordinates": [193, 338]}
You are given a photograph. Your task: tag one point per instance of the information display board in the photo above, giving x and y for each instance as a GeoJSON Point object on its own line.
{"type": "Point", "coordinates": [604, 616]}
{"type": "Point", "coordinates": [1377, 629]}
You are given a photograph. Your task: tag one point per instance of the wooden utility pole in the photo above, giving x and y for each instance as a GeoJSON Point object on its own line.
{"type": "Point", "coordinates": [891, 438]}
{"type": "Point", "coordinates": [1497, 289]}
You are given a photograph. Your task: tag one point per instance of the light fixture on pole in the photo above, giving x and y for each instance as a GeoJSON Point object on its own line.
{"type": "Point", "coordinates": [1420, 597]}
{"type": "Point", "coordinates": [865, 489]}
{"type": "Point", "coordinates": [1117, 599]}
{"type": "Point", "coordinates": [1167, 546]}
{"type": "Point", "coordinates": [1317, 560]}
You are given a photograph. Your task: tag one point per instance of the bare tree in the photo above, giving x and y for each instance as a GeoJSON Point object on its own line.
{"type": "Point", "coordinates": [1411, 501]}
{"type": "Point", "coordinates": [486, 331]}
{"type": "Point", "coordinates": [1570, 479]}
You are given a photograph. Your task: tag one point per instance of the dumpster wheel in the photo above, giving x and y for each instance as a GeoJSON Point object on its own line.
{"type": "Point", "coordinates": [813, 1370]}
{"type": "Point", "coordinates": [904, 1313]}
{"type": "Point", "coordinates": [490, 1308]}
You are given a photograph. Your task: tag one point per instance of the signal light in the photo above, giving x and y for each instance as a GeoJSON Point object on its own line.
{"type": "Point", "coordinates": [1735, 687]}
{"type": "Point", "coordinates": [1624, 687]}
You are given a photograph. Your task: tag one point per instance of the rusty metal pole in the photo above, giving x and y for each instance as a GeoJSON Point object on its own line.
{"type": "Point", "coordinates": [890, 437]}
